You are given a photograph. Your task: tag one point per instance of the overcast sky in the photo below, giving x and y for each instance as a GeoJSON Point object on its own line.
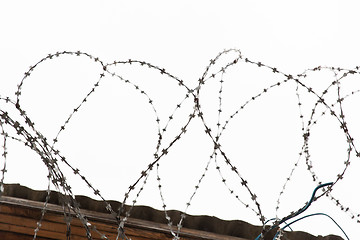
{"type": "Point", "coordinates": [113, 138]}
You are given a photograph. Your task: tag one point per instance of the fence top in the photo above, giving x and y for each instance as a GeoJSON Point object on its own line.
{"type": "Point", "coordinates": [144, 217]}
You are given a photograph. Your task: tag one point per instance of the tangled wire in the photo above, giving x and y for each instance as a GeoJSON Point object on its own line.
{"type": "Point", "coordinates": [22, 129]}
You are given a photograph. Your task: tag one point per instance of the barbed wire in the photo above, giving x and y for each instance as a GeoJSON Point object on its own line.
{"type": "Point", "coordinates": [22, 129]}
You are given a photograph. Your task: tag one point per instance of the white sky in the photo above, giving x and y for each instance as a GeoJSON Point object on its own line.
{"type": "Point", "coordinates": [182, 37]}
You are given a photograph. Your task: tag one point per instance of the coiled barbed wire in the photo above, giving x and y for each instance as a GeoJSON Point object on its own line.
{"type": "Point", "coordinates": [26, 132]}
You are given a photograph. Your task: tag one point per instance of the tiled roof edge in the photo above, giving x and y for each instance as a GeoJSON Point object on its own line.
{"type": "Point", "coordinates": [235, 228]}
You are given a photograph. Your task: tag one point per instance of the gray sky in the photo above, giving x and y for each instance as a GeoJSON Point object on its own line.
{"type": "Point", "coordinates": [113, 138]}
